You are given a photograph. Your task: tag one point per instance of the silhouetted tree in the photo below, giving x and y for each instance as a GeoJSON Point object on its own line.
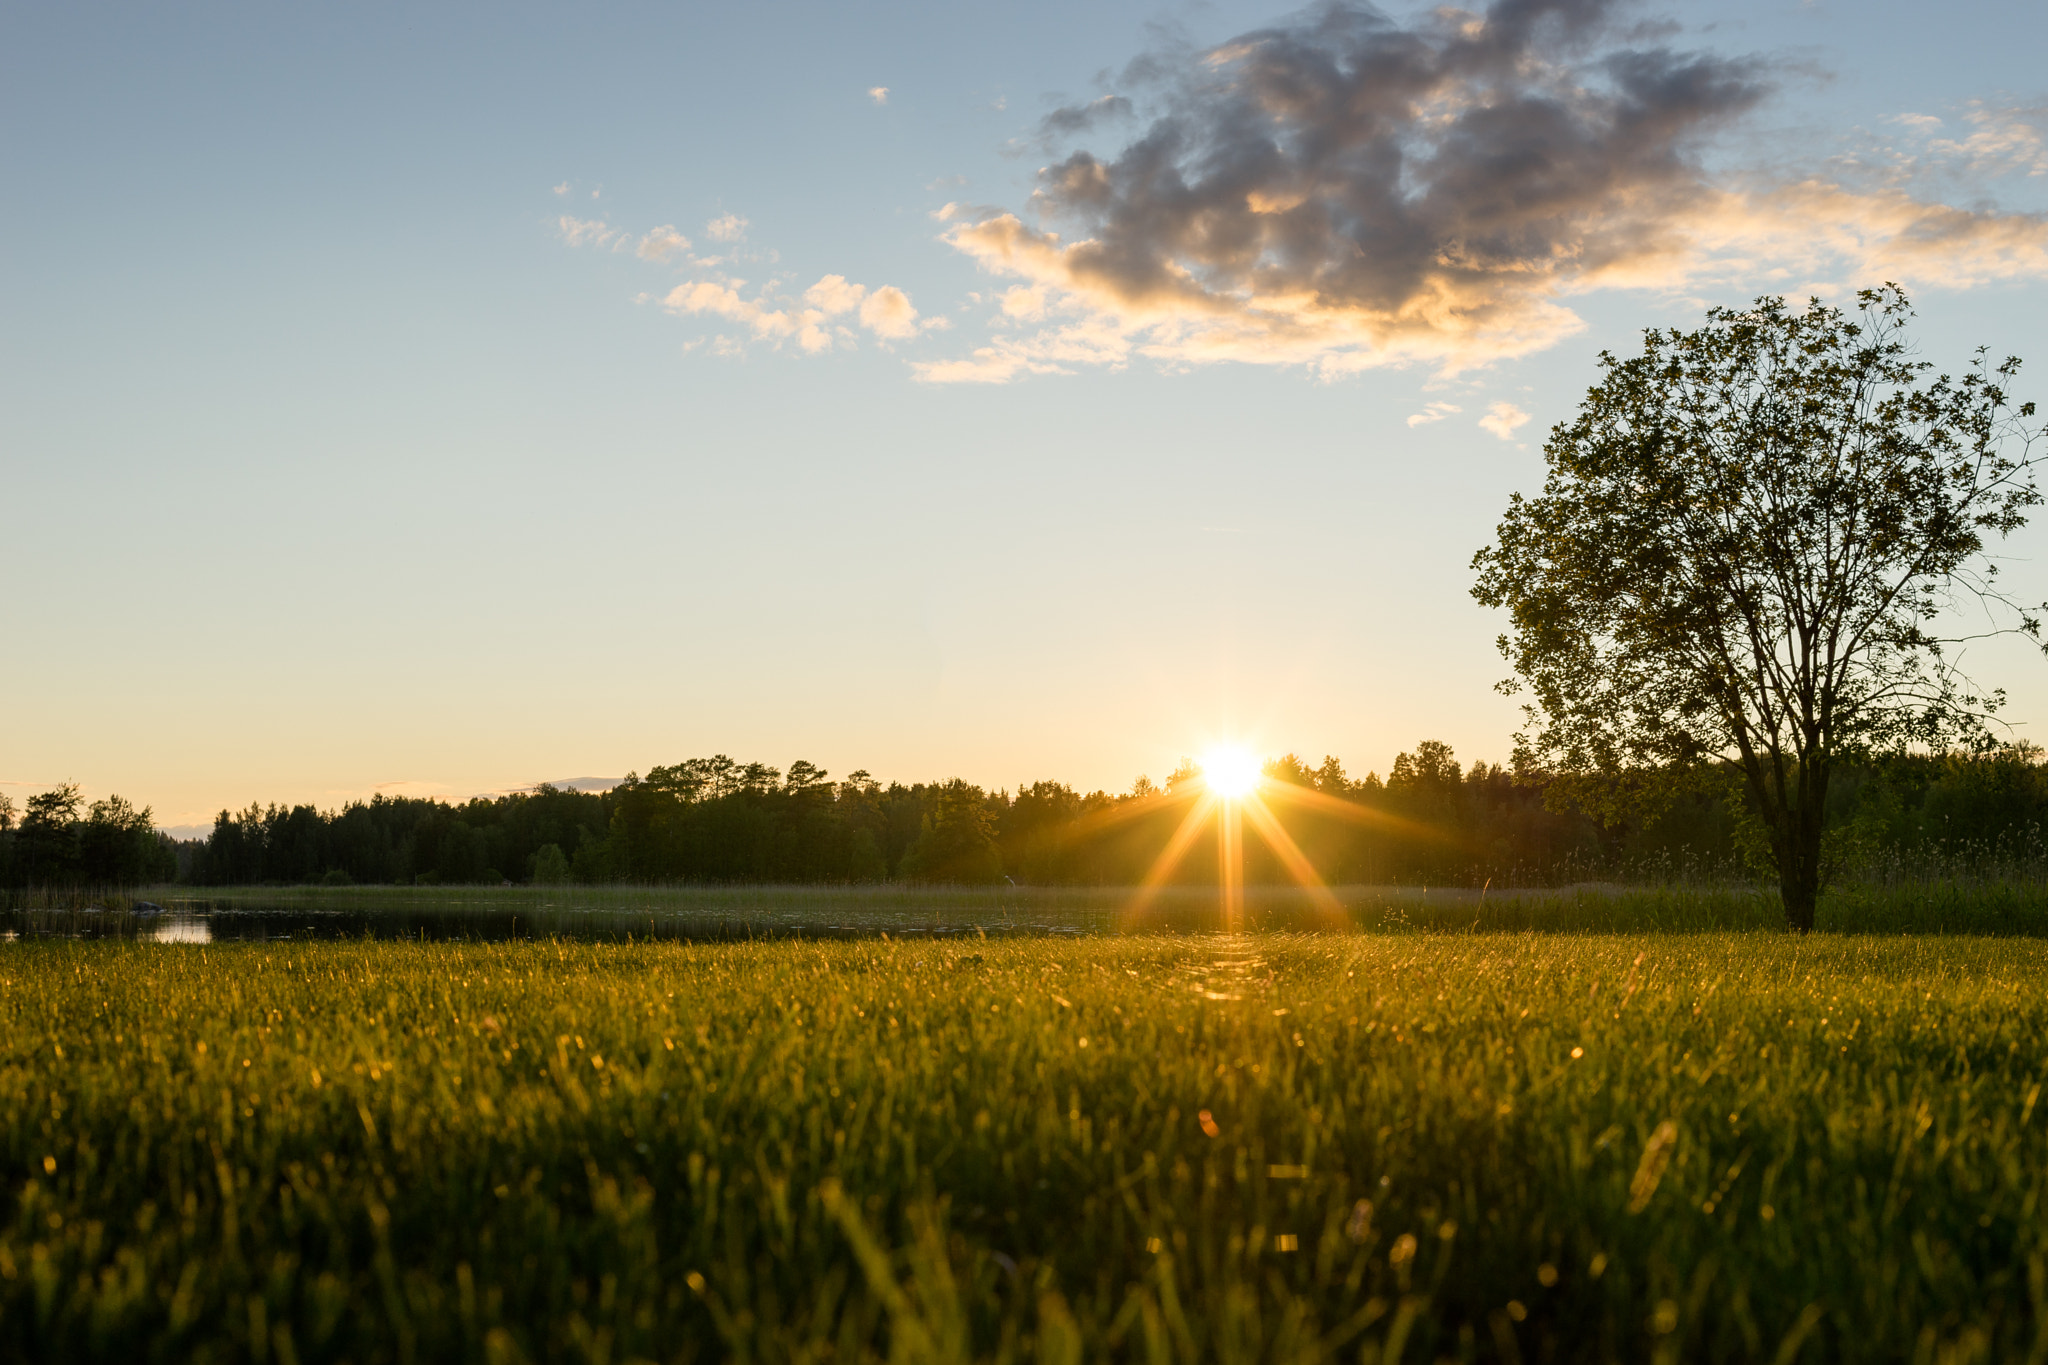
{"type": "Point", "coordinates": [1742, 552]}
{"type": "Point", "coordinates": [957, 840]}
{"type": "Point", "coordinates": [47, 847]}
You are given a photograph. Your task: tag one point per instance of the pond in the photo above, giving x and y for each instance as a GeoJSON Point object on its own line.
{"type": "Point", "coordinates": [448, 919]}
{"type": "Point", "coordinates": [176, 915]}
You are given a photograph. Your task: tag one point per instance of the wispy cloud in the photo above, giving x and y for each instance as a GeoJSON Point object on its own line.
{"type": "Point", "coordinates": [1083, 118]}
{"type": "Point", "coordinates": [586, 231]}
{"type": "Point", "coordinates": [1502, 419]}
{"type": "Point", "coordinates": [879, 94]}
{"type": "Point", "coordinates": [1435, 412]}
{"type": "Point", "coordinates": [832, 313]}
{"type": "Point", "coordinates": [808, 320]}
{"type": "Point", "coordinates": [1344, 191]}
{"type": "Point", "coordinates": [1979, 141]}
{"type": "Point", "coordinates": [662, 243]}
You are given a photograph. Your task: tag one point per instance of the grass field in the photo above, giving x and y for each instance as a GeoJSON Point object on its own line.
{"type": "Point", "coordinates": [1360, 1147]}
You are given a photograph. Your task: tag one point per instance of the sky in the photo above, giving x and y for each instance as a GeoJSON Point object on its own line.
{"type": "Point", "coordinates": [442, 400]}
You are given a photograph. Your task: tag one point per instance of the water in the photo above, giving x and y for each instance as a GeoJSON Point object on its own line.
{"type": "Point", "coordinates": [699, 914]}
{"type": "Point", "coordinates": [201, 922]}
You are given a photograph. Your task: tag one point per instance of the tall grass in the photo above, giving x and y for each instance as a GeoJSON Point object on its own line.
{"type": "Point", "coordinates": [1378, 1147]}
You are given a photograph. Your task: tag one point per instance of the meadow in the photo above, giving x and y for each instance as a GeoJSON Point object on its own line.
{"type": "Point", "coordinates": [1166, 1147]}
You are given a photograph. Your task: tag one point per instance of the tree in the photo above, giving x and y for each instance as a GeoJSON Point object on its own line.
{"type": "Point", "coordinates": [550, 866]}
{"type": "Point", "coordinates": [956, 842]}
{"type": "Point", "coordinates": [46, 851]}
{"type": "Point", "coordinates": [1748, 551]}
{"type": "Point", "coordinates": [118, 845]}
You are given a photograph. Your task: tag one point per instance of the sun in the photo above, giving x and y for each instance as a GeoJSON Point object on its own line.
{"type": "Point", "coordinates": [1230, 772]}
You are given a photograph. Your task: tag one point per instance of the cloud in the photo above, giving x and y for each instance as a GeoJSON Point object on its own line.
{"type": "Point", "coordinates": [1502, 419]}
{"type": "Point", "coordinates": [716, 297]}
{"type": "Point", "coordinates": [1027, 305]}
{"type": "Point", "coordinates": [887, 313]}
{"type": "Point", "coordinates": [1435, 412]}
{"type": "Point", "coordinates": [2001, 141]}
{"type": "Point", "coordinates": [586, 231]}
{"type": "Point", "coordinates": [1997, 140]}
{"type": "Point", "coordinates": [822, 318]}
{"type": "Point", "coordinates": [1343, 191]}
{"type": "Point", "coordinates": [662, 243]}
{"type": "Point", "coordinates": [833, 295]}
{"type": "Point", "coordinates": [561, 189]}
{"type": "Point", "coordinates": [879, 94]}
{"type": "Point", "coordinates": [1088, 341]}
{"type": "Point", "coordinates": [1082, 118]}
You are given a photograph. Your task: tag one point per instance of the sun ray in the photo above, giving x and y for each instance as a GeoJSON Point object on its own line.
{"type": "Point", "coordinates": [1230, 863]}
{"type": "Point", "coordinates": [1291, 857]}
{"type": "Point", "coordinates": [1130, 809]}
{"type": "Point", "coordinates": [1289, 794]}
{"type": "Point", "coordinates": [1170, 856]}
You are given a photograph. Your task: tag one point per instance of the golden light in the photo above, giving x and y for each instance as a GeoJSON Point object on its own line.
{"type": "Point", "coordinates": [1230, 773]}
{"type": "Point", "coordinates": [1234, 791]}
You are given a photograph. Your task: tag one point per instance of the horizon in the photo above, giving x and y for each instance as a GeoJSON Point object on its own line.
{"type": "Point", "coordinates": [600, 785]}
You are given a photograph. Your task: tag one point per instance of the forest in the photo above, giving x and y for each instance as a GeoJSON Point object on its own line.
{"type": "Point", "coordinates": [57, 840]}
{"type": "Point", "coordinates": [1430, 821]}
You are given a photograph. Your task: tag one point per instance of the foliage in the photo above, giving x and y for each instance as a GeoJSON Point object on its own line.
{"type": "Point", "coordinates": [550, 866]}
{"type": "Point", "coordinates": [956, 842]}
{"type": "Point", "coordinates": [1701, 1147]}
{"type": "Point", "coordinates": [62, 841]}
{"type": "Point", "coordinates": [395, 839]}
{"type": "Point", "coordinates": [1433, 821]}
{"type": "Point", "coordinates": [1744, 552]}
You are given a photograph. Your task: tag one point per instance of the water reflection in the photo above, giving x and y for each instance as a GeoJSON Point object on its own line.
{"type": "Point", "coordinates": [616, 914]}
{"type": "Point", "coordinates": [242, 923]}
{"type": "Point", "coordinates": [180, 929]}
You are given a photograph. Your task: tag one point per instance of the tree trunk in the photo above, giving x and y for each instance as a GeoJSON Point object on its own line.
{"type": "Point", "coordinates": [1799, 888]}
{"type": "Point", "coordinates": [1799, 844]}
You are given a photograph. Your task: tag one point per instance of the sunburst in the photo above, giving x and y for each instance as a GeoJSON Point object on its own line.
{"type": "Point", "coordinates": [1233, 789]}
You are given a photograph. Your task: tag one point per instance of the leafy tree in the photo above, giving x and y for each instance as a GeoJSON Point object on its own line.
{"type": "Point", "coordinates": [46, 849]}
{"type": "Point", "coordinates": [550, 866]}
{"type": "Point", "coordinates": [1037, 828]}
{"type": "Point", "coordinates": [957, 840]}
{"type": "Point", "coordinates": [1330, 779]}
{"type": "Point", "coordinates": [118, 845]}
{"type": "Point", "coordinates": [1290, 769]}
{"type": "Point", "coordinates": [1745, 551]}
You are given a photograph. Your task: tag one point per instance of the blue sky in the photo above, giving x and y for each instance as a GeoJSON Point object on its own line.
{"type": "Point", "coordinates": [350, 444]}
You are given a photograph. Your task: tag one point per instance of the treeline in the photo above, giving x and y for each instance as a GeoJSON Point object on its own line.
{"type": "Point", "coordinates": [1431, 820]}
{"type": "Point", "coordinates": [59, 840]}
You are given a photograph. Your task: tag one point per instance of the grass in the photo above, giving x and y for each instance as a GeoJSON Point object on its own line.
{"type": "Point", "coordinates": [1517, 1147]}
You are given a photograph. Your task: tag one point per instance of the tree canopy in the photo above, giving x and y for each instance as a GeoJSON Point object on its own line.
{"type": "Point", "coordinates": [1748, 553]}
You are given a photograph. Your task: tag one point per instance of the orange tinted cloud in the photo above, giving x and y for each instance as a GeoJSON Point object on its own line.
{"type": "Point", "coordinates": [1347, 191]}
